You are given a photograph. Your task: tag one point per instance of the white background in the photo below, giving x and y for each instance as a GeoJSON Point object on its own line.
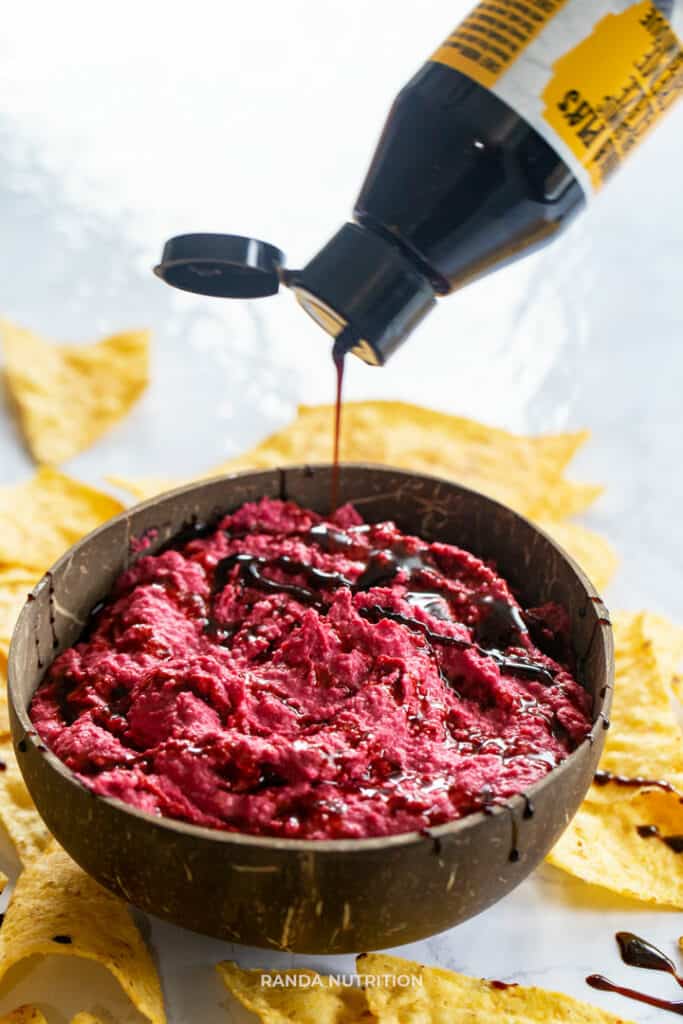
{"type": "Point", "coordinates": [121, 125]}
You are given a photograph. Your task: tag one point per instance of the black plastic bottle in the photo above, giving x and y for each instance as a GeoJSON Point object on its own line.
{"type": "Point", "coordinates": [487, 154]}
{"type": "Point", "coordinates": [459, 185]}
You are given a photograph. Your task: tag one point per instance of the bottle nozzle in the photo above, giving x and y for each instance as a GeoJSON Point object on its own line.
{"type": "Point", "coordinates": [363, 282]}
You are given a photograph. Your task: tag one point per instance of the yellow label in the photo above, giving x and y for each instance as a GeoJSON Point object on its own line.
{"type": "Point", "coordinates": [610, 90]}
{"type": "Point", "coordinates": [591, 76]}
{"type": "Point", "coordinates": [493, 36]}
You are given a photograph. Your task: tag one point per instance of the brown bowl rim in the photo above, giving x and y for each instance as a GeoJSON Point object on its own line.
{"type": "Point", "coordinates": [331, 846]}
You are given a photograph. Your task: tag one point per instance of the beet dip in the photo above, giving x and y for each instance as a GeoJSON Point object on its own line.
{"type": "Point", "coordinates": [286, 675]}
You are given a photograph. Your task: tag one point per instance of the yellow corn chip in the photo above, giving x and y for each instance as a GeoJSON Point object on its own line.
{"type": "Point", "coordinates": [85, 1018]}
{"type": "Point", "coordinates": [24, 1015]}
{"type": "Point", "coordinates": [526, 473]}
{"type": "Point", "coordinates": [57, 909]}
{"type": "Point", "coordinates": [523, 472]}
{"type": "Point", "coordinates": [313, 1001]}
{"type": "Point", "coordinates": [644, 739]}
{"type": "Point", "coordinates": [144, 487]}
{"type": "Point", "coordinates": [593, 553]}
{"type": "Point", "coordinates": [400, 991]}
{"type": "Point", "coordinates": [436, 996]}
{"type": "Point", "coordinates": [42, 517]}
{"type": "Point", "coordinates": [667, 646]}
{"type": "Point", "coordinates": [4, 708]}
{"type": "Point", "coordinates": [603, 846]}
{"type": "Point", "coordinates": [15, 583]}
{"type": "Point", "coordinates": [18, 814]}
{"type": "Point", "coordinates": [68, 396]}
{"type": "Point", "coordinates": [667, 638]}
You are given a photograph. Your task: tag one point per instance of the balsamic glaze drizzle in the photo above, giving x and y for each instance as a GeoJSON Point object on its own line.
{"type": "Point", "coordinates": [637, 952]}
{"type": "Point", "coordinates": [675, 843]}
{"type": "Point", "coordinates": [51, 610]}
{"type": "Point", "coordinates": [603, 778]}
{"type": "Point", "coordinates": [502, 625]}
{"type": "Point", "coordinates": [517, 666]}
{"type": "Point", "coordinates": [602, 983]}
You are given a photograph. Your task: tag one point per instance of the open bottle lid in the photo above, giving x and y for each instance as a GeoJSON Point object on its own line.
{"type": "Point", "coordinates": [226, 266]}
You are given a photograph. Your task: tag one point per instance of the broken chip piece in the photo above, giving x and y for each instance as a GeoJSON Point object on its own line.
{"type": "Point", "coordinates": [4, 706]}
{"type": "Point", "coordinates": [24, 1015]}
{"type": "Point", "coordinates": [397, 991]}
{"type": "Point", "coordinates": [18, 814]}
{"type": "Point", "coordinates": [628, 833]}
{"type": "Point", "coordinates": [631, 845]}
{"type": "Point", "coordinates": [32, 1015]}
{"type": "Point", "coordinates": [68, 396]}
{"type": "Point", "coordinates": [57, 909]}
{"type": "Point", "coordinates": [526, 473]}
{"type": "Point", "coordinates": [402, 992]}
{"type": "Point", "coordinates": [644, 741]}
{"type": "Point", "coordinates": [281, 997]}
{"type": "Point", "coordinates": [645, 738]}
{"type": "Point", "coordinates": [15, 584]}
{"type": "Point", "coordinates": [667, 648]}
{"type": "Point", "coordinates": [595, 555]}
{"type": "Point", "coordinates": [43, 516]}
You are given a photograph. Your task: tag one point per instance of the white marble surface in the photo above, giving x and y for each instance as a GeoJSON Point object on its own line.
{"type": "Point", "coordinates": [121, 126]}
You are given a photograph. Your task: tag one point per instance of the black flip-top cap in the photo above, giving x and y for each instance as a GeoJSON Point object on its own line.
{"type": "Point", "coordinates": [227, 266]}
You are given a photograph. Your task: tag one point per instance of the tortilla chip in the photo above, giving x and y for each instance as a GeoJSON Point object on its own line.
{"type": "Point", "coordinates": [322, 1004]}
{"type": "Point", "coordinates": [590, 550]}
{"type": "Point", "coordinates": [86, 1018]}
{"type": "Point", "coordinates": [4, 706]}
{"type": "Point", "coordinates": [144, 487]}
{"type": "Point", "coordinates": [56, 909]}
{"type": "Point", "coordinates": [24, 1015]}
{"type": "Point", "coordinates": [436, 996]}
{"type": "Point", "coordinates": [42, 517]}
{"type": "Point", "coordinates": [593, 553]}
{"type": "Point", "coordinates": [526, 473]}
{"type": "Point", "coordinates": [68, 396]}
{"type": "Point", "coordinates": [18, 813]}
{"type": "Point", "coordinates": [15, 584]}
{"type": "Point", "coordinates": [523, 472]}
{"type": "Point", "coordinates": [644, 739]}
{"type": "Point", "coordinates": [667, 641]}
{"type": "Point", "coordinates": [602, 844]}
